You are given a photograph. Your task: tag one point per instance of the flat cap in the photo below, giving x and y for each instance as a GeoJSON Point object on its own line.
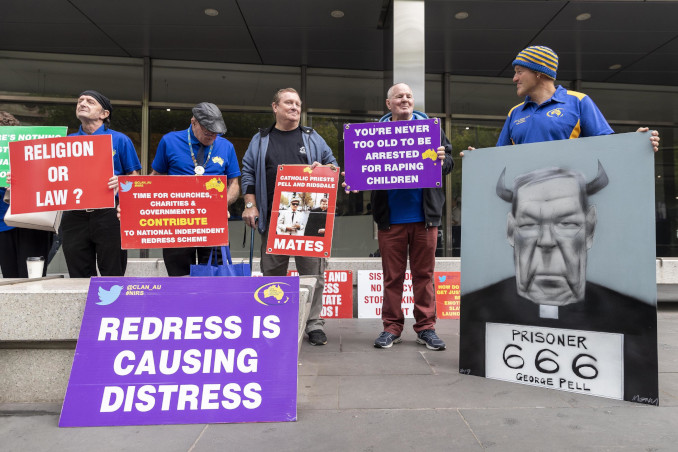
{"type": "Point", "coordinates": [209, 116]}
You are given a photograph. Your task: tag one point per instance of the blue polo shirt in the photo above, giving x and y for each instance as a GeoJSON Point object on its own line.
{"type": "Point", "coordinates": [174, 158]}
{"type": "Point", "coordinates": [567, 114]}
{"type": "Point", "coordinates": [125, 159]}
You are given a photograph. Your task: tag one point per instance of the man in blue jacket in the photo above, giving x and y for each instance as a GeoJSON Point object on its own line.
{"type": "Point", "coordinates": [285, 142]}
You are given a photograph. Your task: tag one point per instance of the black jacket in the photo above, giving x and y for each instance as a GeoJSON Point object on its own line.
{"type": "Point", "coordinates": [433, 198]}
{"type": "Point", "coordinates": [603, 310]}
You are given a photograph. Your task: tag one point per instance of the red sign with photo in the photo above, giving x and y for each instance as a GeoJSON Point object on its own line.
{"type": "Point", "coordinates": [302, 220]}
{"type": "Point", "coordinates": [337, 294]}
{"type": "Point", "coordinates": [173, 211]}
{"type": "Point", "coordinates": [65, 173]}
{"type": "Point", "coordinates": [447, 294]}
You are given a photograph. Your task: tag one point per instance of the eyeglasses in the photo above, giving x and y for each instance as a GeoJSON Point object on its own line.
{"type": "Point", "coordinates": [208, 132]}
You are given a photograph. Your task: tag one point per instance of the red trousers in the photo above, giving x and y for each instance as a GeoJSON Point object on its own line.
{"type": "Point", "coordinates": [394, 246]}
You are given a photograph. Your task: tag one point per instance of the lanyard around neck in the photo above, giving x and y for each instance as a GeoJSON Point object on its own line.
{"type": "Point", "coordinates": [190, 147]}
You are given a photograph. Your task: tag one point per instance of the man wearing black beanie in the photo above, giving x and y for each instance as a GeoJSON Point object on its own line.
{"type": "Point", "coordinates": [91, 237]}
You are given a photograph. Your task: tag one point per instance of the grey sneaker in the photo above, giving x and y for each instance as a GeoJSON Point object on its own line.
{"type": "Point", "coordinates": [430, 339]}
{"type": "Point", "coordinates": [317, 337]}
{"type": "Point", "coordinates": [386, 340]}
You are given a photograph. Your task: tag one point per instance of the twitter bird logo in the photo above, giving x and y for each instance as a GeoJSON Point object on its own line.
{"type": "Point", "coordinates": [110, 295]}
{"type": "Point", "coordinates": [440, 278]}
{"type": "Point", "coordinates": [126, 186]}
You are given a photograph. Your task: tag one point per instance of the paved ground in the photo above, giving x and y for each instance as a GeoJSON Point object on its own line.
{"type": "Point", "coordinates": [353, 397]}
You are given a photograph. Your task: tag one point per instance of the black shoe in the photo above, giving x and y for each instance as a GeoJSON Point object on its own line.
{"type": "Point", "coordinates": [317, 337]}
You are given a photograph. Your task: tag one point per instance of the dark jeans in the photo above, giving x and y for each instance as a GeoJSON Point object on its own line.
{"type": "Point", "coordinates": [276, 265]}
{"type": "Point", "coordinates": [395, 244]}
{"type": "Point", "coordinates": [18, 244]}
{"type": "Point", "coordinates": [178, 261]}
{"type": "Point", "coordinates": [92, 239]}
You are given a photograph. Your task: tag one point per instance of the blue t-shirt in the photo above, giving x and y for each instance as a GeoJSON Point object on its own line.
{"type": "Point", "coordinates": [3, 210]}
{"type": "Point", "coordinates": [567, 114]}
{"type": "Point", "coordinates": [174, 158]}
{"type": "Point", "coordinates": [125, 158]}
{"type": "Point", "coordinates": [406, 206]}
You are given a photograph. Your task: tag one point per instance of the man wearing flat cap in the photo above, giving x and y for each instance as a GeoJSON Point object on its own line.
{"type": "Point", "coordinates": [198, 150]}
{"type": "Point", "coordinates": [91, 237]}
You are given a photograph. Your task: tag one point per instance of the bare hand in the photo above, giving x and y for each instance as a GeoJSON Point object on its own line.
{"type": "Point", "coordinates": [654, 137]}
{"type": "Point", "coordinates": [346, 188]}
{"type": "Point", "coordinates": [314, 165]}
{"type": "Point", "coordinates": [250, 216]}
{"type": "Point", "coordinates": [470, 148]}
{"type": "Point", "coordinates": [113, 183]}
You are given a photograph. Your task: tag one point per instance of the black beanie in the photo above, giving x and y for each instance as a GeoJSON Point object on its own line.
{"type": "Point", "coordinates": [103, 100]}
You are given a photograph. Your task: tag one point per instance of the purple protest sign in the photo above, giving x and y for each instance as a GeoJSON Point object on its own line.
{"type": "Point", "coordinates": [185, 351]}
{"type": "Point", "coordinates": [394, 154]}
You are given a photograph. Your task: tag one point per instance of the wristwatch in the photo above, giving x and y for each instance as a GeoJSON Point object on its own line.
{"type": "Point", "coordinates": [249, 205]}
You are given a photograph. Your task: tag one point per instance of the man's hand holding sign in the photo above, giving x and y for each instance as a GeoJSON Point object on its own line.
{"type": "Point", "coordinates": [303, 210]}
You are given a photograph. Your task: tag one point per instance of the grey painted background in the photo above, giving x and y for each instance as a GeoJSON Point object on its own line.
{"type": "Point", "coordinates": [623, 253]}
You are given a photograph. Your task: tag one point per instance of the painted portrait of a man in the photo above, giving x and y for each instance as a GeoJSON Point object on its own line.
{"type": "Point", "coordinates": [550, 226]}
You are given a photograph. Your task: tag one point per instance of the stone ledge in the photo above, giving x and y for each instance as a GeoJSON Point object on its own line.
{"type": "Point", "coordinates": [42, 311]}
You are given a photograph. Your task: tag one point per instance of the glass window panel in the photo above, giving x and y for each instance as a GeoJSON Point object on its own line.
{"type": "Point", "coordinates": [434, 95]}
{"type": "Point", "coordinates": [345, 90]}
{"type": "Point", "coordinates": [634, 103]}
{"type": "Point", "coordinates": [221, 84]}
{"type": "Point", "coordinates": [482, 96]}
{"type": "Point", "coordinates": [38, 74]}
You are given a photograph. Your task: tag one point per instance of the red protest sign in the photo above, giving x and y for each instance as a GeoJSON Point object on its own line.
{"type": "Point", "coordinates": [447, 294]}
{"type": "Point", "coordinates": [65, 173]}
{"type": "Point", "coordinates": [304, 203]}
{"type": "Point", "coordinates": [337, 294]}
{"type": "Point", "coordinates": [173, 211]}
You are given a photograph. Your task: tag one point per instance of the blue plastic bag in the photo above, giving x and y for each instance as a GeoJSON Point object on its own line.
{"type": "Point", "coordinates": [224, 269]}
